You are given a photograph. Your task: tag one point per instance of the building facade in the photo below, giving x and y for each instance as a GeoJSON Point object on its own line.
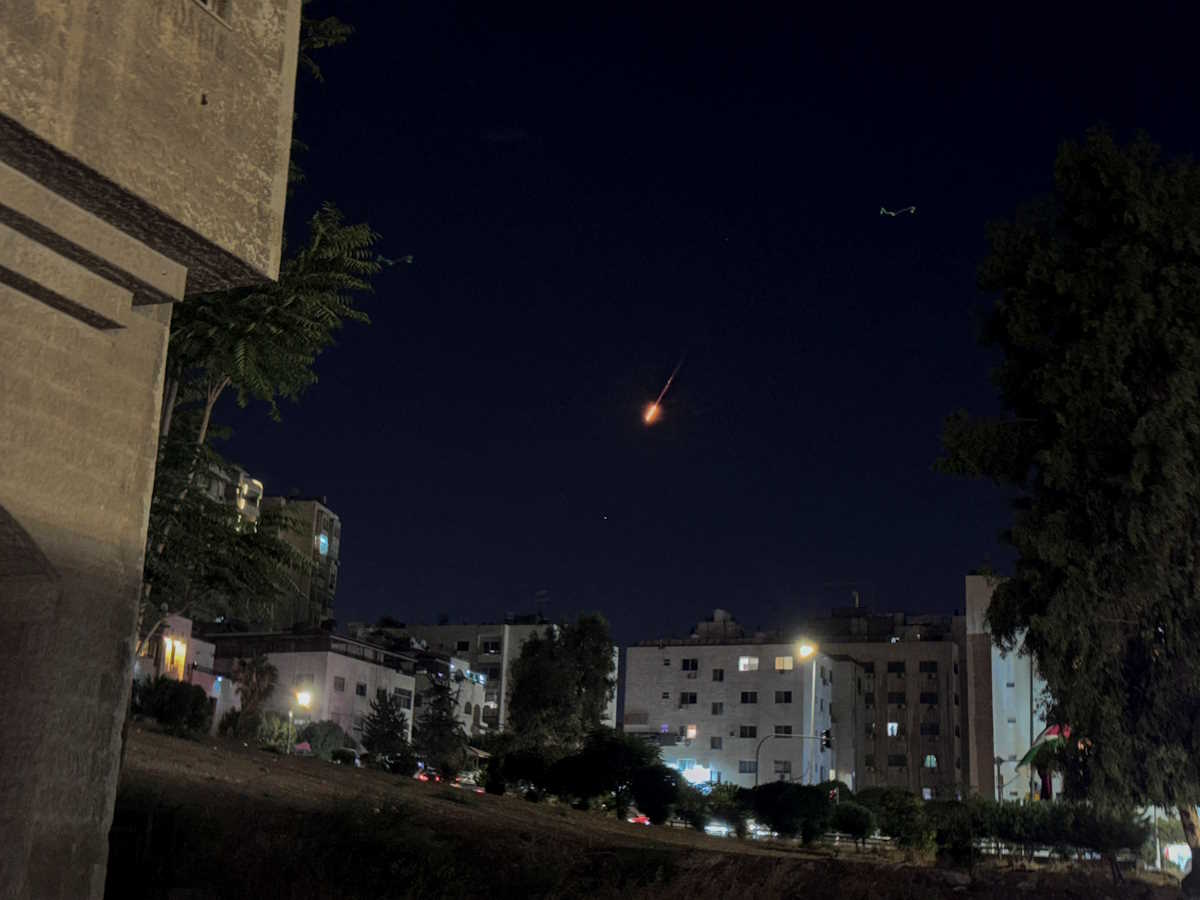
{"type": "Point", "coordinates": [732, 709]}
{"type": "Point", "coordinates": [233, 485]}
{"type": "Point", "coordinates": [316, 533]}
{"type": "Point", "coordinates": [467, 687]}
{"type": "Point", "coordinates": [143, 157]}
{"type": "Point", "coordinates": [489, 648]}
{"type": "Point", "coordinates": [339, 676]}
{"type": "Point", "coordinates": [1006, 699]}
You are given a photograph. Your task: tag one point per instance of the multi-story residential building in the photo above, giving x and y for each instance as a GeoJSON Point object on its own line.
{"type": "Point", "coordinates": [176, 652]}
{"type": "Point", "coordinates": [1005, 699]}
{"type": "Point", "coordinates": [733, 708]}
{"type": "Point", "coordinates": [490, 648]}
{"type": "Point", "coordinates": [143, 157]}
{"type": "Point", "coordinates": [899, 702]}
{"type": "Point", "coordinates": [233, 485]}
{"type": "Point", "coordinates": [338, 676]}
{"type": "Point", "coordinates": [316, 533]}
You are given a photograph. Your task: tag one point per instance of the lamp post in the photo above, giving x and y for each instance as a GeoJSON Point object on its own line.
{"type": "Point", "coordinates": [304, 700]}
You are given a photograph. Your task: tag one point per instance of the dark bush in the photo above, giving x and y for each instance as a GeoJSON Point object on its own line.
{"type": "Point", "coordinates": [853, 819]}
{"type": "Point", "coordinates": [324, 737]}
{"type": "Point", "coordinates": [525, 767]}
{"type": "Point", "coordinates": [900, 816]}
{"type": "Point", "coordinates": [731, 804]}
{"type": "Point", "coordinates": [791, 809]}
{"type": "Point", "coordinates": [228, 726]}
{"type": "Point", "coordinates": [179, 707]}
{"type": "Point", "coordinates": [655, 789]}
{"type": "Point", "coordinates": [343, 756]}
{"type": "Point", "coordinates": [493, 780]}
{"type": "Point", "coordinates": [692, 806]}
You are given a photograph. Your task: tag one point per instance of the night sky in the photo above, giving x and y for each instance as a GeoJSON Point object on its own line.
{"type": "Point", "coordinates": [590, 197]}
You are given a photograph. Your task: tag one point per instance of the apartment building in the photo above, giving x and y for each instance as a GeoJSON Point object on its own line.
{"type": "Point", "coordinates": [489, 648]}
{"type": "Point", "coordinates": [234, 485]}
{"type": "Point", "coordinates": [316, 533]}
{"type": "Point", "coordinates": [1006, 696]}
{"type": "Point", "coordinates": [143, 157]}
{"type": "Point", "coordinates": [338, 676]}
{"type": "Point", "coordinates": [467, 687]}
{"type": "Point", "coordinates": [733, 709]}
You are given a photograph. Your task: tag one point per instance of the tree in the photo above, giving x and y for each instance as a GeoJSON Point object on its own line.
{"type": "Point", "coordinates": [324, 737]}
{"type": "Point", "coordinates": [655, 790]}
{"type": "Point", "coordinates": [853, 819]}
{"type": "Point", "coordinates": [254, 678]}
{"type": "Point", "coordinates": [1099, 340]}
{"type": "Point", "coordinates": [731, 804]}
{"type": "Point", "coordinates": [561, 683]}
{"type": "Point", "coordinates": [440, 739]}
{"type": "Point", "coordinates": [385, 729]}
{"type": "Point", "coordinates": [605, 766]}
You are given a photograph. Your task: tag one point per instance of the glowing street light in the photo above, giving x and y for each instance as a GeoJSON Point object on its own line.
{"type": "Point", "coordinates": [304, 698]}
{"type": "Point", "coordinates": [807, 650]}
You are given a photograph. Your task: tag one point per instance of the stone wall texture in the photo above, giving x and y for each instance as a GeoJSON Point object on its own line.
{"type": "Point", "coordinates": [185, 110]}
{"type": "Point", "coordinates": [143, 155]}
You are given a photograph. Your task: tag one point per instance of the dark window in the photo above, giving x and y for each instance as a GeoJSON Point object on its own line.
{"type": "Point", "coordinates": [718, 708]}
{"type": "Point", "coordinates": [380, 693]}
{"type": "Point", "coordinates": [929, 697]}
{"type": "Point", "coordinates": [898, 760]}
{"type": "Point", "coordinates": [666, 660]}
{"type": "Point", "coordinates": [339, 683]}
{"type": "Point", "coordinates": [783, 696]}
{"type": "Point", "coordinates": [868, 668]}
{"type": "Point", "coordinates": [958, 764]}
{"type": "Point", "coordinates": [870, 729]}
{"type": "Point", "coordinates": [869, 760]}
{"type": "Point", "coordinates": [718, 674]}
{"type": "Point", "coordinates": [360, 689]}
{"type": "Point", "coordinates": [462, 646]}
{"type": "Point", "coordinates": [783, 729]}
{"type": "Point", "coordinates": [896, 698]}
{"type": "Point", "coordinates": [957, 731]}
{"type": "Point", "coordinates": [666, 695]}
{"type": "Point", "coordinates": [869, 699]}
{"type": "Point", "coordinates": [406, 698]}
{"type": "Point", "coordinates": [748, 731]}
{"type": "Point", "coordinates": [1011, 684]}
{"type": "Point", "coordinates": [749, 696]}
{"type": "Point", "coordinates": [714, 743]}
{"type": "Point", "coordinates": [956, 668]}
{"type": "Point", "coordinates": [747, 766]}
{"type": "Point", "coordinates": [783, 767]}
{"type": "Point", "coordinates": [956, 699]}
{"type": "Point", "coordinates": [927, 665]}
{"type": "Point", "coordinates": [930, 728]}
{"type": "Point", "coordinates": [687, 698]}
{"type": "Point", "coordinates": [690, 665]}
{"type": "Point", "coordinates": [491, 646]}
{"type": "Point", "coordinates": [896, 667]}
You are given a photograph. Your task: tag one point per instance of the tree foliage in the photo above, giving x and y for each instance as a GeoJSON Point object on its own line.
{"type": "Point", "coordinates": [1097, 327]}
{"type": "Point", "coordinates": [561, 683]}
{"type": "Point", "coordinates": [255, 679]}
{"type": "Point", "coordinates": [324, 737]}
{"type": "Point", "coordinates": [439, 737]}
{"type": "Point", "coordinates": [385, 729]}
{"type": "Point", "coordinates": [655, 791]}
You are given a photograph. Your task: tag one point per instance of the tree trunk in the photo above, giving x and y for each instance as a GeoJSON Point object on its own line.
{"type": "Point", "coordinates": [1191, 832]}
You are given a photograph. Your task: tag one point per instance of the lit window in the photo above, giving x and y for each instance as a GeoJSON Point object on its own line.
{"type": "Point", "coordinates": [893, 729]}
{"type": "Point", "coordinates": [323, 544]}
{"type": "Point", "coordinates": [926, 793]}
{"type": "Point", "coordinates": [783, 664]}
{"type": "Point", "coordinates": [664, 729]}
{"type": "Point", "coordinates": [691, 732]}
{"type": "Point", "coordinates": [747, 663]}
{"type": "Point", "coordinates": [930, 761]}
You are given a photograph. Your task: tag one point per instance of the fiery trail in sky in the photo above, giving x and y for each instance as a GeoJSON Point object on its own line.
{"type": "Point", "coordinates": [654, 410]}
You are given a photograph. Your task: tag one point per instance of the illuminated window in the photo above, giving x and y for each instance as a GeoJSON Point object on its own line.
{"type": "Point", "coordinates": [664, 729]}
{"type": "Point", "coordinates": [893, 729]}
{"type": "Point", "coordinates": [685, 764]}
{"type": "Point", "coordinates": [747, 663]}
{"type": "Point", "coordinates": [926, 793]}
{"type": "Point", "coordinates": [930, 761]}
{"type": "Point", "coordinates": [783, 664]}
{"type": "Point", "coordinates": [691, 732]}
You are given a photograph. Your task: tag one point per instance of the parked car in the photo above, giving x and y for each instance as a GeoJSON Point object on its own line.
{"type": "Point", "coordinates": [346, 756]}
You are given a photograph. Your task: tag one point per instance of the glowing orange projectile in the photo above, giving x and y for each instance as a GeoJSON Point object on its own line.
{"type": "Point", "coordinates": [654, 410]}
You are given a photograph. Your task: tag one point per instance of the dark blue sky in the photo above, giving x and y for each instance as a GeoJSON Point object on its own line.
{"type": "Point", "coordinates": [590, 196]}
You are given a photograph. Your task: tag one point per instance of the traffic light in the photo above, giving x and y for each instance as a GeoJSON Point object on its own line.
{"type": "Point", "coordinates": [826, 739]}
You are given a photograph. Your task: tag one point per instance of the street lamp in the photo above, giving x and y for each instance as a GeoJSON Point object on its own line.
{"type": "Point", "coordinates": [807, 649]}
{"type": "Point", "coordinates": [304, 699]}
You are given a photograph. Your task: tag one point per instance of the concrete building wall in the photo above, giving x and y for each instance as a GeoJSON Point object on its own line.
{"type": "Point", "coordinates": [717, 735]}
{"type": "Point", "coordinates": [143, 155]}
{"type": "Point", "coordinates": [169, 103]}
{"type": "Point", "coordinates": [924, 709]}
